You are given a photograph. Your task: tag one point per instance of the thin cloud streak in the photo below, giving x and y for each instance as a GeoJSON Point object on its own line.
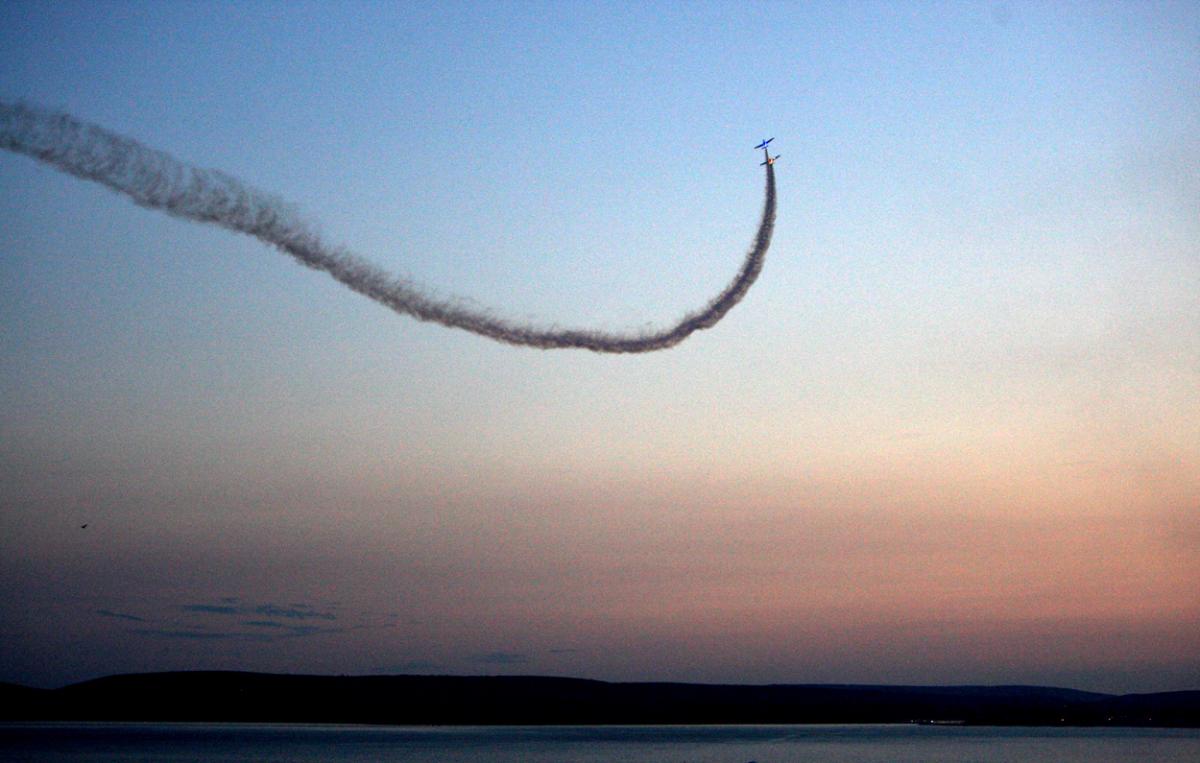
{"type": "Point", "coordinates": [210, 609]}
{"type": "Point", "coordinates": [294, 612]}
{"type": "Point", "coordinates": [120, 615]}
{"type": "Point", "coordinates": [233, 620]}
{"type": "Point", "coordinates": [501, 658]}
{"type": "Point", "coordinates": [156, 180]}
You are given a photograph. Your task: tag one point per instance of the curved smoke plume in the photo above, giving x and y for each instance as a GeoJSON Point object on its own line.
{"type": "Point", "coordinates": [159, 181]}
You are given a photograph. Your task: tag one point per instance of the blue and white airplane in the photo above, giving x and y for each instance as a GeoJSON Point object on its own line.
{"type": "Point", "coordinates": [767, 158]}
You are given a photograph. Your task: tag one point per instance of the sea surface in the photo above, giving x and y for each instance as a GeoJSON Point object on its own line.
{"type": "Point", "coordinates": [592, 744]}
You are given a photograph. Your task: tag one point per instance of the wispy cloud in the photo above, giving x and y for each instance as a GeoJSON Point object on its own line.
{"type": "Point", "coordinates": [120, 615]}
{"type": "Point", "coordinates": [290, 611]}
{"type": "Point", "coordinates": [293, 611]}
{"type": "Point", "coordinates": [195, 635]}
{"type": "Point", "coordinates": [277, 632]}
{"type": "Point", "coordinates": [213, 620]}
{"type": "Point", "coordinates": [409, 666]}
{"type": "Point", "coordinates": [501, 658]}
{"type": "Point", "coordinates": [215, 609]}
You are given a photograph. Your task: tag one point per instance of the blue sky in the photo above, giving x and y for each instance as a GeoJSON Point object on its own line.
{"type": "Point", "coordinates": [955, 419]}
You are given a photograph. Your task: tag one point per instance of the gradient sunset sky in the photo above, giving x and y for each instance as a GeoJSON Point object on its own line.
{"type": "Point", "coordinates": [952, 435]}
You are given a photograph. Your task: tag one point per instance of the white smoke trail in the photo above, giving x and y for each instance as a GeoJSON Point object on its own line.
{"type": "Point", "coordinates": [159, 181]}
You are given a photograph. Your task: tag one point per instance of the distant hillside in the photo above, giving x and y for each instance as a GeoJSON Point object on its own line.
{"type": "Point", "coordinates": [258, 697]}
{"type": "Point", "coordinates": [14, 696]}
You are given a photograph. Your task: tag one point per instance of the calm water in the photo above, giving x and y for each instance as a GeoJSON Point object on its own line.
{"type": "Point", "coordinates": [585, 744]}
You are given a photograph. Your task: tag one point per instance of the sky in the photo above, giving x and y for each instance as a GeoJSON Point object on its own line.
{"type": "Point", "coordinates": [951, 436]}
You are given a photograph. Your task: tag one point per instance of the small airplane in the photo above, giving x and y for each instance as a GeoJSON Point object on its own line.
{"type": "Point", "coordinates": [764, 143]}
{"type": "Point", "coordinates": [767, 159]}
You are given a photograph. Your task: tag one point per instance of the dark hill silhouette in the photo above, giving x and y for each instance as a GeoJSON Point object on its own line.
{"type": "Point", "coordinates": [260, 697]}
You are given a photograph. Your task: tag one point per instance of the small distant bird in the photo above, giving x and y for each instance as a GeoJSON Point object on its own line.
{"type": "Point", "coordinates": [83, 527]}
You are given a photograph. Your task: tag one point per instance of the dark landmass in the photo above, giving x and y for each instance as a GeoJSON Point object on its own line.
{"type": "Point", "coordinates": [477, 700]}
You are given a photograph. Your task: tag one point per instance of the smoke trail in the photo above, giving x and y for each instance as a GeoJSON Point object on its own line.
{"type": "Point", "coordinates": [157, 180]}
